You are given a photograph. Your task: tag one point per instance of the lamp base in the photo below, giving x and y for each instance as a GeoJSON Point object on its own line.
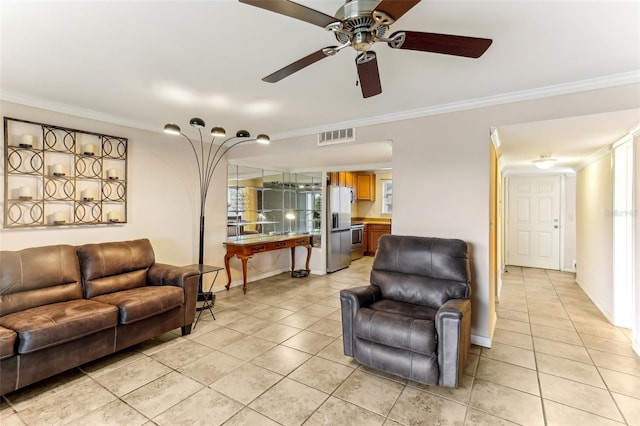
{"type": "Point", "coordinates": [300, 273]}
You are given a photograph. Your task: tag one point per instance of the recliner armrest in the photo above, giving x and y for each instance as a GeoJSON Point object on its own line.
{"type": "Point", "coordinates": [453, 325]}
{"type": "Point", "coordinates": [351, 300]}
{"type": "Point", "coordinates": [454, 309]}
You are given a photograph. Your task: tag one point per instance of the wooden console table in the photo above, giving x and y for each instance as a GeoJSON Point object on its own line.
{"type": "Point", "coordinates": [245, 248]}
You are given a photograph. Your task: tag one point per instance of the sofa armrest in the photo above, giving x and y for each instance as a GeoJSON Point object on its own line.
{"type": "Point", "coordinates": [453, 325]}
{"type": "Point", "coordinates": [351, 300]}
{"type": "Point", "coordinates": [163, 274]}
{"type": "Point", "coordinates": [186, 277]}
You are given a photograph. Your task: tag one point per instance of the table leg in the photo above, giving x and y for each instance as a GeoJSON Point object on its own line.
{"type": "Point", "coordinates": [244, 271]}
{"type": "Point", "coordinates": [226, 266]}
{"type": "Point", "coordinates": [293, 258]}
{"type": "Point", "coordinates": [308, 246]}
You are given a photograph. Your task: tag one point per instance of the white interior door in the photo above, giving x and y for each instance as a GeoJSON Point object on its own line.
{"type": "Point", "coordinates": [534, 222]}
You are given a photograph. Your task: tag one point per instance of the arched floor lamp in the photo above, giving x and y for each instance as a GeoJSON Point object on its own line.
{"type": "Point", "coordinates": [207, 160]}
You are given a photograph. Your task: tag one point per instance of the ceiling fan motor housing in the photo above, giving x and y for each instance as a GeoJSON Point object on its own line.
{"type": "Point", "coordinates": [357, 21]}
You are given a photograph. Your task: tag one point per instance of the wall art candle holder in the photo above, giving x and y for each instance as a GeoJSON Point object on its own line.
{"type": "Point", "coordinates": [81, 173]}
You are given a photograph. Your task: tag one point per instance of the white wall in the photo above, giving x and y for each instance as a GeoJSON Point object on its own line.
{"type": "Point", "coordinates": [569, 222]}
{"type": "Point", "coordinates": [594, 232]}
{"type": "Point", "coordinates": [636, 245]}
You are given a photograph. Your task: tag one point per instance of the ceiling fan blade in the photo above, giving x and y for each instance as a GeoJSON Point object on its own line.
{"type": "Point", "coordinates": [470, 47]}
{"type": "Point", "coordinates": [293, 10]}
{"type": "Point", "coordinates": [396, 8]}
{"type": "Point", "coordinates": [299, 64]}
{"type": "Point", "coordinates": [368, 74]}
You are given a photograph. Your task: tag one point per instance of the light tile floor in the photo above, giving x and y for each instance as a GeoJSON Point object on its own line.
{"type": "Point", "coordinates": [274, 357]}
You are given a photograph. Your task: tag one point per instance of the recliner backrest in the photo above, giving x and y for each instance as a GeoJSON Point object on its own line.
{"type": "Point", "coordinates": [38, 276]}
{"type": "Point", "coordinates": [421, 270]}
{"type": "Point", "coordinates": [115, 266]}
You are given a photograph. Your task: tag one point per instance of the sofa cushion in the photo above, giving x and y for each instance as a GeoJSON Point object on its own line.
{"type": "Point", "coordinates": [38, 276]}
{"type": "Point", "coordinates": [50, 325]}
{"type": "Point", "coordinates": [399, 325]}
{"type": "Point", "coordinates": [144, 302]}
{"type": "Point", "coordinates": [7, 342]}
{"type": "Point", "coordinates": [115, 266]}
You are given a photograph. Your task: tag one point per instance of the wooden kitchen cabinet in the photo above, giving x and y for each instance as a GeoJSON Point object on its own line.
{"type": "Point", "coordinates": [348, 179]}
{"type": "Point", "coordinates": [374, 232]}
{"type": "Point", "coordinates": [341, 179]}
{"type": "Point", "coordinates": [365, 187]}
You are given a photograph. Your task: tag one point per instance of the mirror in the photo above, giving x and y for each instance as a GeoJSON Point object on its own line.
{"type": "Point", "coordinates": [267, 202]}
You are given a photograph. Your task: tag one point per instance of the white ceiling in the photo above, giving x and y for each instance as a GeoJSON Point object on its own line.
{"type": "Point", "coordinates": [145, 63]}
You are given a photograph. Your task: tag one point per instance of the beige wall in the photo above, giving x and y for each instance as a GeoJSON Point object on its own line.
{"type": "Point", "coordinates": [440, 176]}
{"type": "Point", "coordinates": [441, 172]}
{"type": "Point", "coordinates": [163, 201]}
{"type": "Point", "coordinates": [594, 232]}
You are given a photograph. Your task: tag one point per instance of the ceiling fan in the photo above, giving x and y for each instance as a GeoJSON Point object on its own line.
{"type": "Point", "coordinates": [360, 24]}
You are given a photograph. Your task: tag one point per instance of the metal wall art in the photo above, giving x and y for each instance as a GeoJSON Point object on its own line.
{"type": "Point", "coordinates": [59, 176]}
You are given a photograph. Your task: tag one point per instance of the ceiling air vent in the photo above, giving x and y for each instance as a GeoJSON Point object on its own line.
{"type": "Point", "coordinates": [336, 136]}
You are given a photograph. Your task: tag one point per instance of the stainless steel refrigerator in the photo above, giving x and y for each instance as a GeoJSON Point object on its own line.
{"type": "Point", "coordinates": [338, 227]}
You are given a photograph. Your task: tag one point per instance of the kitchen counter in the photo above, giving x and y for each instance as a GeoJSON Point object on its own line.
{"type": "Point", "coordinates": [372, 220]}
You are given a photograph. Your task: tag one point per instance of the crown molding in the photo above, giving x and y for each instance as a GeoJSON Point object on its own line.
{"type": "Point", "coordinates": [621, 79]}
{"type": "Point", "coordinates": [594, 157]}
{"type": "Point", "coordinates": [63, 108]}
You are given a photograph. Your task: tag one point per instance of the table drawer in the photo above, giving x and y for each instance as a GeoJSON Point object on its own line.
{"type": "Point", "coordinates": [258, 248]}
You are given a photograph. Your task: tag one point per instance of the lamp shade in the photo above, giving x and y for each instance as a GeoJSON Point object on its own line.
{"type": "Point", "coordinates": [264, 139]}
{"type": "Point", "coordinates": [197, 122]}
{"type": "Point", "coordinates": [218, 132]}
{"type": "Point", "coordinates": [242, 134]}
{"type": "Point", "coordinates": [172, 129]}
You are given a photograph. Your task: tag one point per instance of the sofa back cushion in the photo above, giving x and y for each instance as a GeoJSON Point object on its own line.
{"type": "Point", "coordinates": [38, 276]}
{"type": "Point", "coordinates": [116, 266]}
{"type": "Point", "coordinates": [421, 270]}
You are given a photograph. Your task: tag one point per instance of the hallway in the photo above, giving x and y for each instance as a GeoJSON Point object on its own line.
{"type": "Point", "coordinates": [547, 323]}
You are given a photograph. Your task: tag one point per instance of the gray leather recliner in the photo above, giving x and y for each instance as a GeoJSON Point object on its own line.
{"type": "Point", "coordinates": [414, 319]}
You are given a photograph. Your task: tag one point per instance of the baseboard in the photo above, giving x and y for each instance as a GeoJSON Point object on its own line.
{"type": "Point", "coordinates": [255, 277]}
{"type": "Point", "coordinates": [481, 341]}
{"type": "Point", "coordinates": [636, 347]}
{"type": "Point", "coordinates": [605, 312]}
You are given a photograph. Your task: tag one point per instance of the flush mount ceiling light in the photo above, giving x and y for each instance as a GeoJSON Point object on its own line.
{"type": "Point", "coordinates": [544, 162]}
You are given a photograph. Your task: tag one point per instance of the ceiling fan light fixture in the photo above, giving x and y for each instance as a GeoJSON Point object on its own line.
{"type": "Point", "coordinates": [172, 129]}
{"type": "Point", "coordinates": [544, 162]}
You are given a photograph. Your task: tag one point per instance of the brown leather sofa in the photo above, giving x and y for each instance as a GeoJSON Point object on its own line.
{"type": "Point", "coordinates": [62, 306]}
{"type": "Point", "coordinates": [414, 319]}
